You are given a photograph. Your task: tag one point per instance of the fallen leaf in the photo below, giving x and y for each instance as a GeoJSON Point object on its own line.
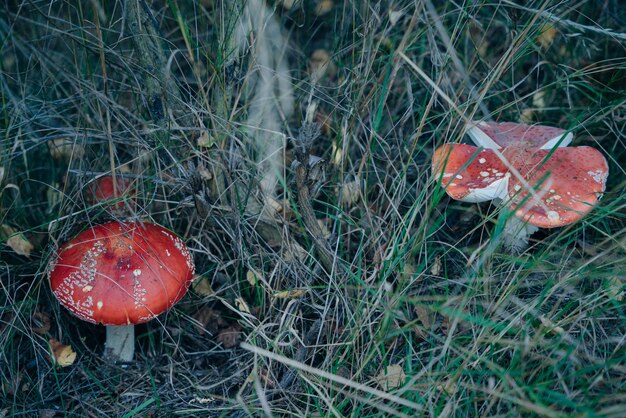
{"type": "Point", "coordinates": [208, 320]}
{"type": "Point", "coordinates": [229, 337]}
{"type": "Point", "coordinates": [435, 269]}
{"type": "Point", "coordinates": [539, 99]}
{"type": "Point", "coordinates": [252, 277]}
{"type": "Point", "coordinates": [350, 192]}
{"type": "Point", "coordinates": [205, 140]}
{"type": "Point", "coordinates": [62, 354]}
{"type": "Point", "coordinates": [321, 65]}
{"type": "Point", "coordinates": [66, 149]}
{"type": "Point", "coordinates": [242, 305]}
{"type": "Point", "coordinates": [391, 377]}
{"type": "Point", "coordinates": [16, 241]}
{"type": "Point", "coordinates": [289, 294]}
{"type": "Point", "coordinates": [546, 36]}
{"type": "Point", "coordinates": [527, 116]}
{"type": "Point", "coordinates": [201, 286]}
{"type": "Point", "coordinates": [323, 7]}
{"type": "Point", "coordinates": [394, 16]}
{"type": "Point", "coordinates": [426, 318]}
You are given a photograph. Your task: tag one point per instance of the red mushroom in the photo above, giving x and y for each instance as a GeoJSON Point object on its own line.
{"type": "Point", "coordinates": [121, 274]}
{"type": "Point", "coordinates": [104, 190]}
{"type": "Point", "coordinates": [545, 187]}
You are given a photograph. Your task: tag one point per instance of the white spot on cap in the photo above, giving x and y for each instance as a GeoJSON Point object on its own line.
{"type": "Point", "coordinates": [482, 160]}
{"type": "Point", "coordinates": [553, 215]}
{"type": "Point", "coordinates": [137, 272]}
{"type": "Point", "coordinates": [484, 173]}
{"type": "Point", "coordinates": [99, 304]}
{"type": "Point", "coordinates": [460, 177]}
{"type": "Point", "coordinates": [87, 288]}
{"type": "Point", "coordinates": [598, 176]}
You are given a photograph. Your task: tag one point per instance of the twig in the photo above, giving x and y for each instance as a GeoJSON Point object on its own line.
{"type": "Point", "coordinates": [303, 172]}
{"type": "Point", "coordinates": [161, 90]}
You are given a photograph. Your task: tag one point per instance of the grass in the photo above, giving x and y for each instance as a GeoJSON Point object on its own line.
{"type": "Point", "coordinates": [371, 294]}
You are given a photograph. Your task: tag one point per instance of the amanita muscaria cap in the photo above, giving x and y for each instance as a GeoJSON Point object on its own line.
{"type": "Point", "coordinates": [121, 273]}
{"type": "Point", "coordinates": [566, 182]}
{"type": "Point", "coordinates": [101, 190]}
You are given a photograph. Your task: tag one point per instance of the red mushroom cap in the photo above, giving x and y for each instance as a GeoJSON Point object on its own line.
{"type": "Point", "coordinates": [567, 184]}
{"type": "Point", "coordinates": [121, 273]}
{"type": "Point", "coordinates": [505, 134]}
{"type": "Point", "coordinates": [471, 175]}
{"type": "Point", "coordinates": [101, 190]}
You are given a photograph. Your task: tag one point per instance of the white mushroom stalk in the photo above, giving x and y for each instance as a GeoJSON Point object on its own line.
{"type": "Point", "coordinates": [528, 169]}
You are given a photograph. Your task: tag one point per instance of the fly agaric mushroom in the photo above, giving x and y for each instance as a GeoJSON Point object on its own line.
{"type": "Point", "coordinates": [105, 189]}
{"type": "Point", "coordinates": [120, 274]}
{"type": "Point", "coordinates": [529, 168]}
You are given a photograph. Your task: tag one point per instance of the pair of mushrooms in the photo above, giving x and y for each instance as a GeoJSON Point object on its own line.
{"type": "Point", "coordinates": [124, 273]}
{"type": "Point", "coordinates": [120, 273]}
{"type": "Point", "coordinates": [528, 168]}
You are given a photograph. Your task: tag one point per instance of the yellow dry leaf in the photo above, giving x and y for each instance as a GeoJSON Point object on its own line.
{"type": "Point", "coordinates": [435, 269]}
{"type": "Point", "coordinates": [17, 241]}
{"type": "Point", "coordinates": [323, 7]}
{"type": "Point", "coordinates": [62, 355]}
{"type": "Point", "coordinates": [539, 99]}
{"type": "Point", "coordinates": [394, 16]}
{"type": "Point", "coordinates": [321, 65]}
{"type": "Point", "coordinates": [289, 294]}
{"type": "Point", "coordinates": [350, 192]}
{"type": "Point", "coordinates": [527, 116]}
{"type": "Point", "coordinates": [201, 286]}
{"type": "Point", "coordinates": [252, 277]}
{"type": "Point", "coordinates": [66, 149]}
{"type": "Point", "coordinates": [205, 140]}
{"type": "Point", "coordinates": [391, 377]}
{"type": "Point", "coordinates": [546, 36]}
{"type": "Point", "coordinates": [242, 305]}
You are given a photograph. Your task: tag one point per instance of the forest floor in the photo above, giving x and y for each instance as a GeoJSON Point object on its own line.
{"type": "Point", "coordinates": [338, 279]}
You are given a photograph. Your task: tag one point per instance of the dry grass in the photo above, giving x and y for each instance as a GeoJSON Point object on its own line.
{"type": "Point", "coordinates": [368, 292]}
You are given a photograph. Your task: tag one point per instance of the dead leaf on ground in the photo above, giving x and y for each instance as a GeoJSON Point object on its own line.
{"type": "Point", "coordinates": [350, 192]}
{"type": "Point", "coordinates": [426, 317]}
{"type": "Point", "coordinates": [391, 377]}
{"type": "Point", "coordinates": [230, 336]}
{"type": "Point", "coordinates": [323, 7]}
{"type": "Point", "coordinates": [209, 320]}
{"type": "Point", "coordinates": [62, 355]}
{"type": "Point", "coordinates": [321, 65]}
{"type": "Point", "coordinates": [17, 241]}
{"type": "Point", "coordinates": [546, 36]}
{"type": "Point", "coordinates": [289, 294]}
{"type": "Point", "coordinates": [252, 277]}
{"type": "Point", "coordinates": [242, 305]}
{"type": "Point", "coordinates": [66, 149]}
{"type": "Point", "coordinates": [201, 286]}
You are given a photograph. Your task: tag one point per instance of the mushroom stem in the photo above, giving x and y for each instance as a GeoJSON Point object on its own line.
{"type": "Point", "coordinates": [120, 343]}
{"type": "Point", "coordinates": [515, 234]}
